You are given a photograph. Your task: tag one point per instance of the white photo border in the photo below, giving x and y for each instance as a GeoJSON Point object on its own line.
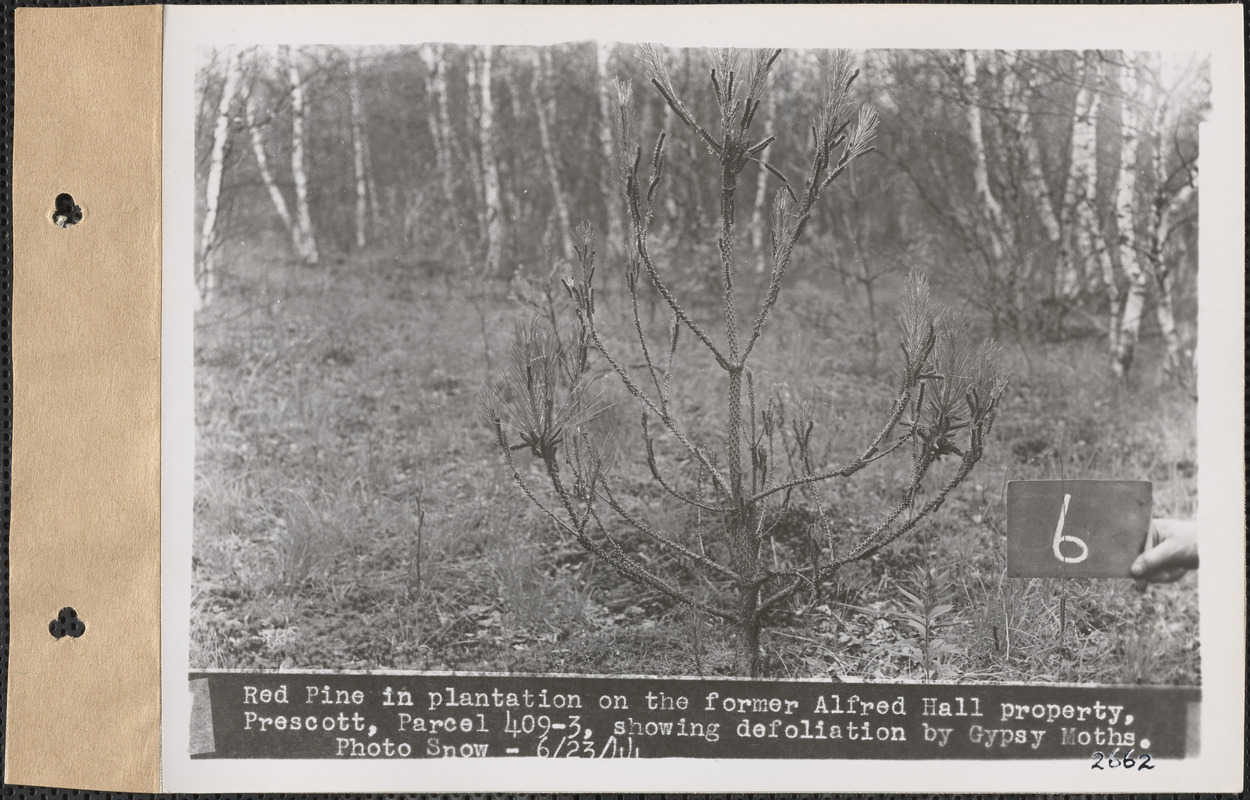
{"type": "Point", "coordinates": [1216, 29]}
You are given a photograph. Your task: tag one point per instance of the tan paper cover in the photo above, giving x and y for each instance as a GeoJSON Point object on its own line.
{"type": "Point", "coordinates": [85, 712]}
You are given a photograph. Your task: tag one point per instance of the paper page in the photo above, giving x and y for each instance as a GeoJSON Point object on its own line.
{"type": "Point", "coordinates": [750, 544]}
{"type": "Point", "coordinates": [84, 547]}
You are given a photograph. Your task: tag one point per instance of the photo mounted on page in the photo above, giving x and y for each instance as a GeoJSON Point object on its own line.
{"type": "Point", "coordinates": [539, 391]}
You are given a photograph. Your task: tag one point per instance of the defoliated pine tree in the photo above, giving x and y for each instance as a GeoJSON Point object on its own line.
{"type": "Point", "coordinates": [762, 461]}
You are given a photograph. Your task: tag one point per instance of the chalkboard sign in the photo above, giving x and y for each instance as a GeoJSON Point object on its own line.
{"type": "Point", "coordinates": [1075, 529]}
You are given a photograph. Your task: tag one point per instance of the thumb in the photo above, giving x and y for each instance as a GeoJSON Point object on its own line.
{"type": "Point", "coordinates": [1157, 563]}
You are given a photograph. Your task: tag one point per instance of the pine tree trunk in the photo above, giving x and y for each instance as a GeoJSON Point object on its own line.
{"type": "Point", "coordinates": [542, 71]}
{"type": "Point", "coordinates": [1126, 219]}
{"type": "Point", "coordinates": [490, 173]}
{"type": "Point", "coordinates": [266, 173]}
{"type": "Point", "coordinates": [358, 151]}
{"type": "Point", "coordinates": [308, 242]}
{"type": "Point", "coordinates": [744, 551]}
{"type": "Point", "coordinates": [747, 638]}
{"type": "Point", "coordinates": [209, 235]}
{"type": "Point", "coordinates": [607, 185]}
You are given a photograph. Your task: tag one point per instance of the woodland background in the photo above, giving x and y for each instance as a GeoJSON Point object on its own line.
{"type": "Point", "coordinates": [371, 222]}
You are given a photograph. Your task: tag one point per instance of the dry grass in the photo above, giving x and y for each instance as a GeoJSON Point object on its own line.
{"type": "Point", "coordinates": [329, 399]}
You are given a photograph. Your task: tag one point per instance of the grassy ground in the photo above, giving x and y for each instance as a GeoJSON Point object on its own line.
{"type": "Point", "coordinates": [352, 511]}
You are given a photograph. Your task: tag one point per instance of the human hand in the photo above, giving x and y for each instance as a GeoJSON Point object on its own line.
{"type": "Point", "coordinates": [1171, 550]}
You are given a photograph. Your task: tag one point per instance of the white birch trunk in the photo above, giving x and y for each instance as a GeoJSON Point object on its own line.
{"type": "Point", "coordinates": [375, 206]}
{"type": "Point", "coordinates": [439, 119]}
{"type": "Point", "coordinates": [472, 122]}
{"type": "Point", "coordinates": [209, 234]}
{"type": "Point", "coordinates": [1078, 210]}
{"type": "Point", "coordinates": [607, 186]}
{"type": "Point", "coordinates": [358, 150]}
{"type": "Point", "coordinates": [266, 173]}
{"type": "Point", "coordinates": [1017, 99]}
{"type": "Point", "coordinates": [542, 70]}
{"type": "Point", "coordinates": [1126, 218]}
{"type": "Point", "coordinates": [759, 217]}
{"type": "Point", "coordinates": [490, 172]}
{"type": "Point", "coordinates": [1034, 180]}
{"type": "Point", "coordinates": [512, 176]}
{"type": "Point", "coordinates": [991, 208]}
{"type": "Point", "coordinates": [308, 242]}
{"type": "Point", "coordinates": [1091, 230]}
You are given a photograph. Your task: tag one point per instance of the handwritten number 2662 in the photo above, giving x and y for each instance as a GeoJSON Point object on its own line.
{"type": "Point", "coordinates": [1128, 762]}
{"type": "Point", "coordinates": [1060, 538]}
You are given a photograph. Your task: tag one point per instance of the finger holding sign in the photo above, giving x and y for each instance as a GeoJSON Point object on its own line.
{"type": "Point", "coordinates": [1170, 551]}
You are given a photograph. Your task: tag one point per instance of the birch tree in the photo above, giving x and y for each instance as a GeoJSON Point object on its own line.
{"type": "Point", "coordinates": [490, 171]}
{"type": "Point", "coordinates": [254, 130]}
{"type": "Point", "coordinates": [996, 242]}
{"type": "Point", "coordinates": [541, 74]}
{"type": "Point", "coordinates": [532, 225]}
{"type": "Point", "coordinates": [438, 118]}
{"type": "Point", "coordinates": [307, 243]}
{"type": "Point", "coordinates": [1083, 240]}
{"type": "Point", "coordinates": [1126, 320]}
{"type": "Point", "coordinates": [607, 185]}
{"type": "Point", "coordinates": [358, 149]}
{"type": "Point", "coordinates": [990, 206]}
{"type": "Point", "coordinates": [375, 208]}
{"type": "Point", "coordinates": [1017, 101]}
{"type": "Point", "coordinates": [209, 234]}
{"type": "Point", "coordinates": [473, 121]}
{"type": "Point", "coordinates": [758, 226]}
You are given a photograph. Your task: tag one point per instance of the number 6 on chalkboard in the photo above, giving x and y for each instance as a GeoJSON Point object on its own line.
{"type": "Point", "coordinates": [1060, 538]}
{"type": "Point", "coordinates": [1109, 520]}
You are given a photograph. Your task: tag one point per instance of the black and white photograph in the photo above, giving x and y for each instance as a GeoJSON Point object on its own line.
{"type": "Point", "coordinates": [638, 360]}
{"type": "Point", "coordinates": [872, 370]}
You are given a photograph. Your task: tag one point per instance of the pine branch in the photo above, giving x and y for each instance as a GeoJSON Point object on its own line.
{"type": "Point", "coordinates": [637, 573]}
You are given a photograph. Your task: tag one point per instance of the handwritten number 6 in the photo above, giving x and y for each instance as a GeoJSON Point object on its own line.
{"type": "Point", "coordinates": [1060, 538]}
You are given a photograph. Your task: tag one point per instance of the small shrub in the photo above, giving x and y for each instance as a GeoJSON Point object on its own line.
{"type": "Point", "coordinates": [928, 610]}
